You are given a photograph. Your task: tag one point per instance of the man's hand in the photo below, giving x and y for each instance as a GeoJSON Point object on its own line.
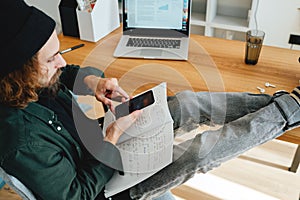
{"type": "Point", "coordinates": [105, 89]}
{"type": "Point", "coordinates": [117, 128]}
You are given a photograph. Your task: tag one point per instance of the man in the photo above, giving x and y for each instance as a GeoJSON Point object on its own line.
{"type": "Point", "coordinates": [39, 141]}
{"type": "Point", "coordinates": [33, 104]}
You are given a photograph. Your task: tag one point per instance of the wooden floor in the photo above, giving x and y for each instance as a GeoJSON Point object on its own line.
{"type": "Point", "coordinates": [259, 174]}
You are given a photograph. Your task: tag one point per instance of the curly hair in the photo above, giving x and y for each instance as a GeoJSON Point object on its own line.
{"type": "Point", "coordinates": [20, 87]}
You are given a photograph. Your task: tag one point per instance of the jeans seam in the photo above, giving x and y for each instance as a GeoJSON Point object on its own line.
{"type": "Point", "coordinates": [283, 114]}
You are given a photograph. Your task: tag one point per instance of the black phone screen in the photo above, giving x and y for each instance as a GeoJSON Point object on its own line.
{"type": "Point", "coordinates": [137, 103]}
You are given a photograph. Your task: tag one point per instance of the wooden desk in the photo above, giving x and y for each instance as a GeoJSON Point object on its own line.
{"type": "Point", "coordinates": [214, 65]}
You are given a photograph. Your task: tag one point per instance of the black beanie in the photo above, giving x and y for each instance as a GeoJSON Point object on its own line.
{"type": "Point", "coordinates": [24, 31]}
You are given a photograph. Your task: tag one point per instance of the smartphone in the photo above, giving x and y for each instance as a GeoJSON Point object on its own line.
{"type": "Point", "coordinates": [136, 103]}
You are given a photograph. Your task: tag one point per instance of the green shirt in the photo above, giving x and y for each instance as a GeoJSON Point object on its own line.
{"type": "Point", "coordinates": [36, 148]}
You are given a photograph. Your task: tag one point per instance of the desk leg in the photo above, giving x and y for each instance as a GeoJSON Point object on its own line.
{"type": "Point", "coordinates": [296, 160]}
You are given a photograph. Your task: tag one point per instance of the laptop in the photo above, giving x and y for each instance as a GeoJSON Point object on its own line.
{"type": "Point", "coordinates": [155, 29]}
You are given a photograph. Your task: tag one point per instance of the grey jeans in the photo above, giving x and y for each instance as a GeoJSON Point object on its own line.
{"type": "Point", "coordinates": [247, 120]}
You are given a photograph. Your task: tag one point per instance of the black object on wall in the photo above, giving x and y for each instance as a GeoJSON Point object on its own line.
{"type": "Point", "coordinates": [68, 17]}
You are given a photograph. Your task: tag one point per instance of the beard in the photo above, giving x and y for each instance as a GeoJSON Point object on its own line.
{"type": "Point", "coordinates": [55, 78]}
{"type": "Point", "coordinates": [51, 88]}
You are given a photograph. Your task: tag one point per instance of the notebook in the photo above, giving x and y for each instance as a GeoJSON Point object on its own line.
{"type": "Point", "coordinates": [155, 29]}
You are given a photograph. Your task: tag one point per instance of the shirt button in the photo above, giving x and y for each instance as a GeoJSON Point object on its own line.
{"type": "Point", "coordinates": [50, 122]}
{"type": "Point", "coordinates": [58, 128]}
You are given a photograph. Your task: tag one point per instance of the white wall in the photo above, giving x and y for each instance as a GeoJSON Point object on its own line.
{"type": "Point", "coordinates": [279, 18]}
{"type": "Point", "coordinates": [50, 7]}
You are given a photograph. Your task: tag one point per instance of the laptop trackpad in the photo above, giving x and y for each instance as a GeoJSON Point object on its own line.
{"type": "Point", "coordinates": [150, 52]}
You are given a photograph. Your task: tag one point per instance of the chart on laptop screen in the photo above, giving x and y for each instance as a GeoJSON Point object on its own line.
{"type": "Point", "coordinates": [167, 14]}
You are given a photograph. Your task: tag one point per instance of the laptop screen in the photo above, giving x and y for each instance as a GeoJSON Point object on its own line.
{"type": "Point", "coordinates": [156, 15]}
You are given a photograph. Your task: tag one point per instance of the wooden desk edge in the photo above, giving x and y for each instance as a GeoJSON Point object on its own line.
{"type": "Point", "coordinates": [290, 138]}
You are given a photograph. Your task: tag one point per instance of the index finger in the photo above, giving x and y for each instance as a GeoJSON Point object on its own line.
{"type": "Point", "coordinates": [122, 92]}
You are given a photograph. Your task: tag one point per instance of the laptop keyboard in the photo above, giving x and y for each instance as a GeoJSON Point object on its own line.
{"type": "Point", "coordinates": [151, 42]}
